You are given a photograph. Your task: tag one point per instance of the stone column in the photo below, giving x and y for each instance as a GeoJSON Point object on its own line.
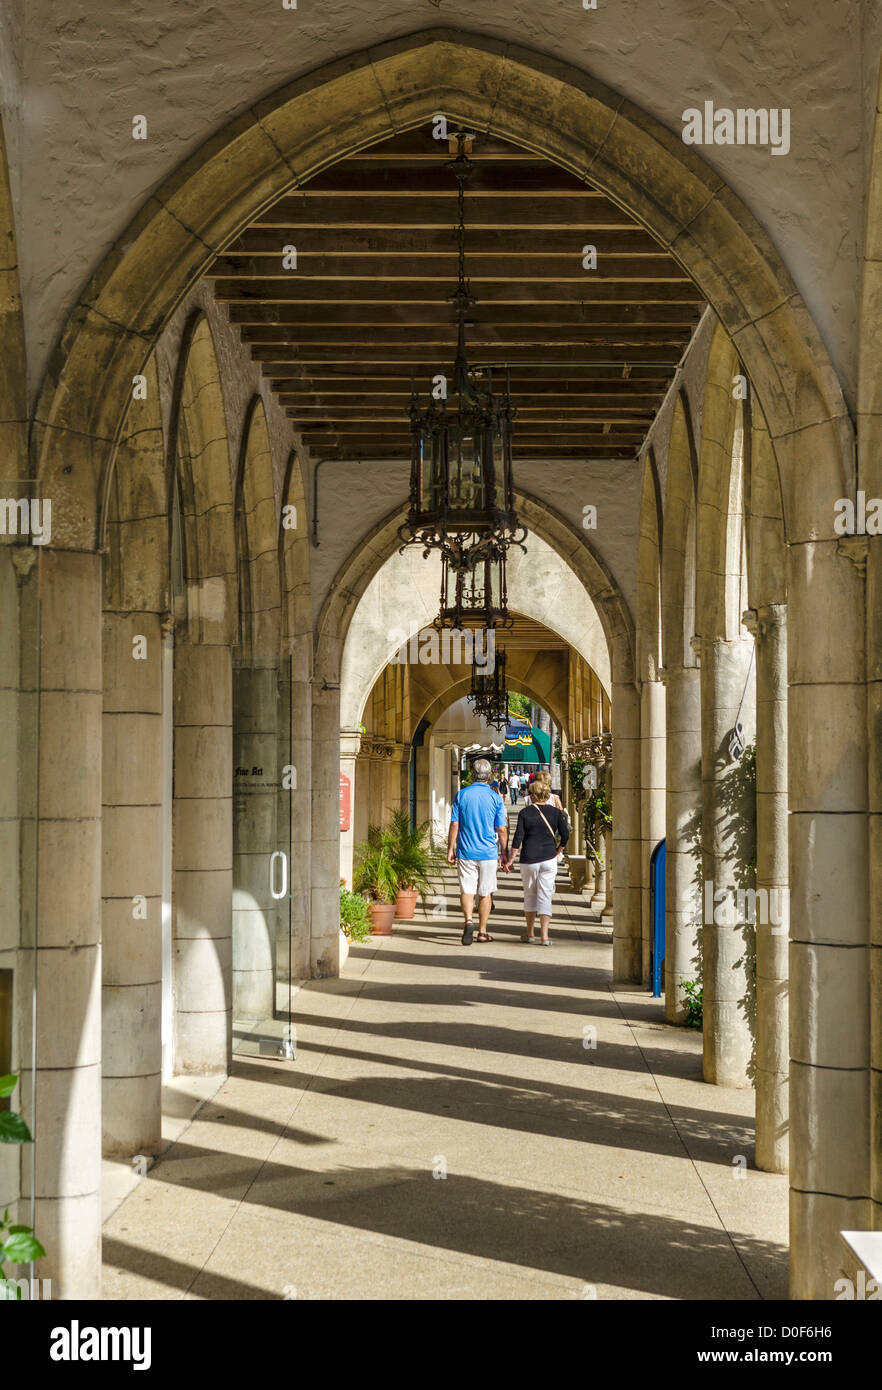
{"type": "Point", "coordinates": [423, 765]}
{"type": "Point", "coordinates": [652, 811]}
{"type": "Point", "coordinates": [607, 906]}
{"type": "Point", "coordinates": [325, 848]}
{"type": "Point", "coordinates": [68, 1074]}
{"type": "Point", "coordinates": [727, 840]}
{"type": "Point", "coordinates": [682, 835]}
{"type": "Point", "coordinates": [398, 779]}
{"type": "Point", "coordinates": [255, 839]}
{"type": "Point", "coordinates": [203, 858]}
{"type": "Point", "coordinates": [874, 725]}
{"type": "Point", "coordinates": [601, 872]}
{"type": "Point", "coordinates": [769, 627]}
{"type": "Point", "coordinates": [350, 743]}
{"type": "Point", "coordinates": [131, 854]}
{"type": "Point", "coordinates": [19, 623]}
{"type": "Point", "coordinates": [627, 945]}
{"type": "Point", "coordinates": [829, 913]}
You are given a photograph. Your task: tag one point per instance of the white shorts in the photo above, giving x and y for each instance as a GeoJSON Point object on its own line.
{"type": "Point", "coordinates": [539, 881]}
{"type": "Point", "coordinates": [477, 876]}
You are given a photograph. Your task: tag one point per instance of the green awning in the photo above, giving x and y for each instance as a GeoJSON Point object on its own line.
{"type": "Point", "coordinates": [537, 751]}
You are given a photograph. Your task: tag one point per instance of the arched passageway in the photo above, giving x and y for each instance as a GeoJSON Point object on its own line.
{"type": "Point", "coordinates": [731, 522]}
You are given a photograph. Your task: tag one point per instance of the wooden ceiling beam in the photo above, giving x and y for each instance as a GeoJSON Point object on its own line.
{"type": "Point", "coordinates": [339, 295]}
{"type": "Point", "coordinates": [612, 452]}
{"type": "Point", "coordinates": [402, 240]}
{"type": "Point", "coordinates": [334, 271]}
{"type": "Point", "coordinates": [588, 378]}
{"type": "Point", "coordinates": [336, 392]}
{"type": "Point", "coordinates": [511, 181]}
{"type": "Point", "coordinates": [585, 358]}
{"type": "Point", "coordinates": [607, 407]}
{"type": "Point", "coordinates": [578, 212]}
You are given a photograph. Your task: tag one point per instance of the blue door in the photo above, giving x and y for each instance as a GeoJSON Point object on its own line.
{"type": "Point", "coordinates": [657, 915]}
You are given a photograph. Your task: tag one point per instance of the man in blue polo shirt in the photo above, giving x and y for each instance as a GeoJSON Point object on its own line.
{"type": "Point", "coordinates": [478, 832]}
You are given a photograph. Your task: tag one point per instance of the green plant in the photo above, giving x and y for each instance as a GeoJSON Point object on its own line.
{"type": "Point", "coordinates": [18, 1244]}
{"type": "Point", "coordinates": [417, 862]}
{"type": "Point", "coordinates": [355, 920]}
{"type": "Point", "coordinates": [694, 1012]}
{"type": "Point", "coordinates": [598, 810]}
{"type": "Point", "coordinates": [375, 873]}
{"type": "Point", "coordinates": [519, 705]}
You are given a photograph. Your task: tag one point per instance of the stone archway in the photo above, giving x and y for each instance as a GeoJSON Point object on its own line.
{"type": "Point", "coordinates": [868, 550]}
{"type": "Point", "coordinates": [576, 122]}
{"type": "Point", "coordinates": [515, 93]}
{"type": "Point", "coordinates": [205, 633]}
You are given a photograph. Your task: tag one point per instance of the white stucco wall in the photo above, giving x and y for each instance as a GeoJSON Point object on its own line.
{"type": "Point", "coordinates": [85, 68]}
{"type": "Point", "coordinates": [403, 597]}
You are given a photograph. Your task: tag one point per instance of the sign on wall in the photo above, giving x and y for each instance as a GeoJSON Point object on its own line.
{"type": "Point", "coordinates": [345, 802]}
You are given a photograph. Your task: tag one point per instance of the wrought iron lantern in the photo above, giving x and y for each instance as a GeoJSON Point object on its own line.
{"type": "Point", "coordinates": [473, 584]}
{"type": "Point", "coordinates": [461, 486]}
{"type": "Point", "coordinates": [489, 693]}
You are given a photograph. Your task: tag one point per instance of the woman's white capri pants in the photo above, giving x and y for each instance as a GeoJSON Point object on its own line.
{"type": "Point", "coordinates": [538, 881]}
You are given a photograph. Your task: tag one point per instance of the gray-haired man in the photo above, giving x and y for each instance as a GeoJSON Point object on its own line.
{"type": "Point", "coordinates": [478, 832]}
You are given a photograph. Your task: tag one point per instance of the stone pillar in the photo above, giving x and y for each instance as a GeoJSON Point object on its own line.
{"type": "Point", "coordinates": [652, 810]}
{"type": "Point", "coordinates": [325, 848]}
{"type": "Point", "coordinates": [601, 872]}
{"type": "Point", "coordinates": [627, 947]}
{"type": "Point", "coordinates": [294, 814]}
{"type": "Point", "coordinates": [590, 875]}
{"type": "Point", "coordinates": [769, 627]}
{"type": "Point", "coordinates": [423, 766]}
{"type": "Point", "coordinates": [131, 854]}
{"type": "Point", "coordinates": [398, 779]}
{"type": "Point", "coordinates": [874, 725]}
{"type": "Point", "coordinates": [829, 913]}
{"type": "Point", "coordinates": [727, 841]}
{"type": "Point", "coordinates": [350, 742]}
{"type": "Point", "coordinates": [607, 907]}
{"type": "Point", "coordinates": [203, 858]}
{"type": "Point", "coordinates": [255, 839]}
{"type": "Point", "coordinates": [67, 1111]}
{"type": "Point", "coordinates": [19, 623]}
{"type": "Point", "coordinates": [682, 835]}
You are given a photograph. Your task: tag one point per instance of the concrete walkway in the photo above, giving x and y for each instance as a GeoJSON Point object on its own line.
{"type": "Point", "coordinates": [572, 1171]}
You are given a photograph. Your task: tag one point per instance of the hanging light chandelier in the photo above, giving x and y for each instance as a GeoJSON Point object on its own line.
{"type": "Point", "coordinates": [461, 485]}
{"type": "Point", "coordinates": [489, 692]}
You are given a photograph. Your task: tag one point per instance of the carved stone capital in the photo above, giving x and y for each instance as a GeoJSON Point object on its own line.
{"type": "Point", "coordinates": [855, 549]}
{"type": "Point", "coordinates": [24, 557]}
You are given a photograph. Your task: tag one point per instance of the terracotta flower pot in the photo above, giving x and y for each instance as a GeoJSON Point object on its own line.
{"type": "Point", "coordinates": [382, 916]}
{"type": "Point", "coordinates": [405, 904]}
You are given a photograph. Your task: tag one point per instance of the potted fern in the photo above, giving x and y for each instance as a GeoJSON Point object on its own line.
{"type": "Point", "coordinates": [416, 861]}
{"type": "Point", "coordinates": [355, 920]}
{"type": "Point", "coordinates": [376, 877]}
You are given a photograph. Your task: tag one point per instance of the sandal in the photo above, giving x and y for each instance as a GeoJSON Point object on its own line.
{"type": "Point", "coordinates": [531, 939]}
{"type": "Point", "coordinates": [483, 936]}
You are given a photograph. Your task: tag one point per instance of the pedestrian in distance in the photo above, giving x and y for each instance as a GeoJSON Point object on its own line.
{"type": "Point", "coordinates": [540, 835]}
{"type": "Point", "coordinates": [475, 842]}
